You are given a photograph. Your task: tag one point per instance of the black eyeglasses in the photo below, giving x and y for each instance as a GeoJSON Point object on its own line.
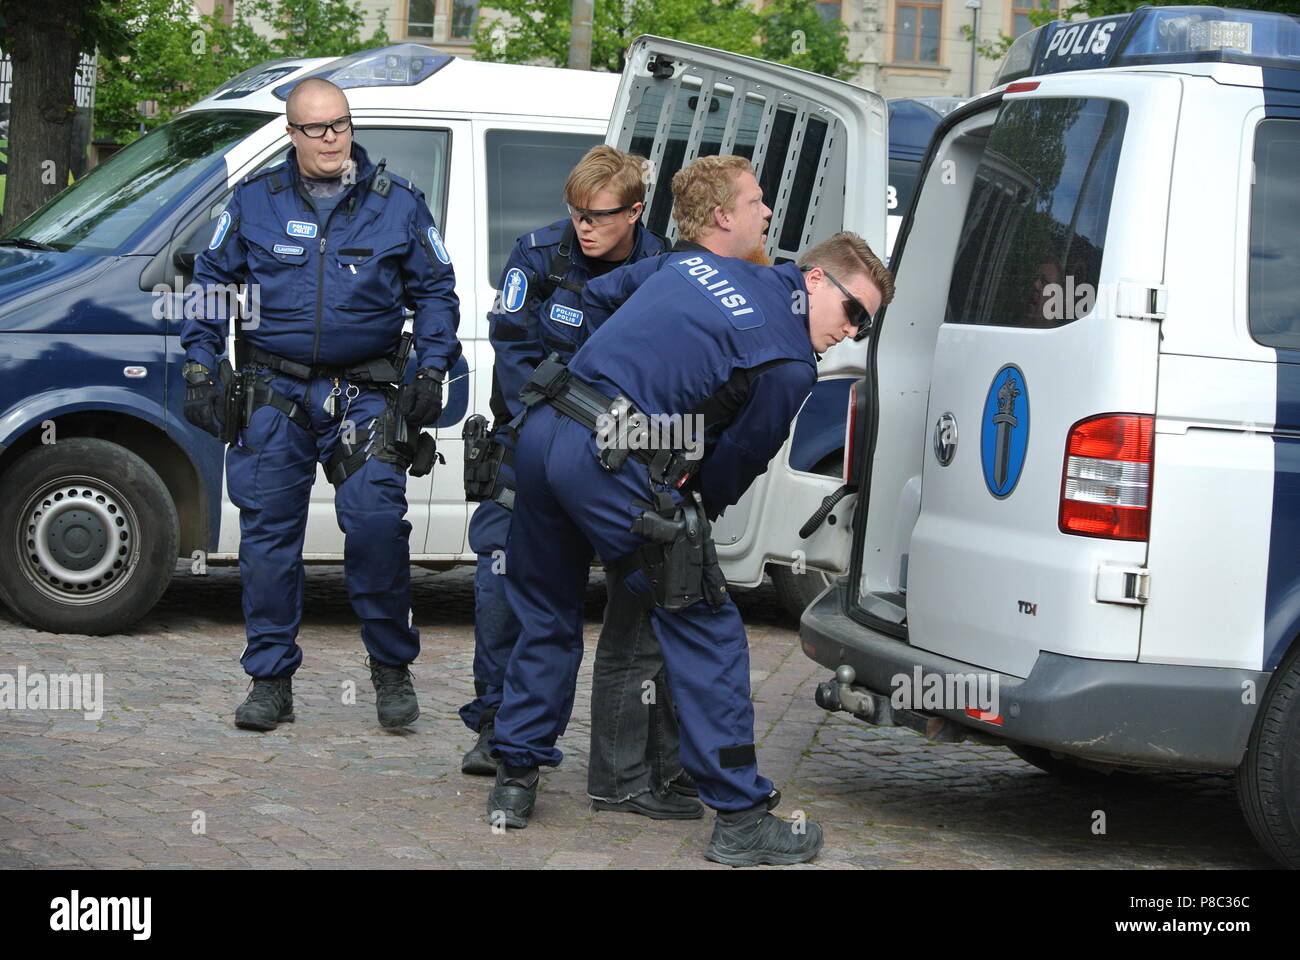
{"type": "Point", "coordinates": [859, 316]}
{"type": "Point", "coordinates": [317, 130]}
{"type": "Point", "coordinates": [597, 218]}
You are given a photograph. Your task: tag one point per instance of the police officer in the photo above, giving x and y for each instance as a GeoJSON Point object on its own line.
{"type": "Point", "coordinates": [337, 247]}
{"type": "Point", "coordinates": [538, 311]}
{"type": "Point", "coordinates": [705, 334]}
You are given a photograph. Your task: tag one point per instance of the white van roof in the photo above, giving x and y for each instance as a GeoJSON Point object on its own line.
{"type": "Point", "coordinates": [380, 79]}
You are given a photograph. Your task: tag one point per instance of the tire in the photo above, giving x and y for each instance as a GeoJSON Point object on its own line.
{"type": "Point", "coordinates": [1268, 779]}
{"type": "Point", "coordinates": [1064, 767]}
{"type": "Point", "coordinates": [88, 537]}
{"type": "Point", "coordinates": [796, 591]}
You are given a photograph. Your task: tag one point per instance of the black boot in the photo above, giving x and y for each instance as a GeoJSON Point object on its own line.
{"type": "Point", "coordinates": [478, 762]}
{"type": "Point", "coordinates": [655, 804]}
{"type": "Point", "coordinates": [511, 801]}
{"type": "Point", "coordinates": [394, 694]}
{"type": "Point", "coordinates": [747, 838]}
{"type": "Point", "coordinates": [268, 704]}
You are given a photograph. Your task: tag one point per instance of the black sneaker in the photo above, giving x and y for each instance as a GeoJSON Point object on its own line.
{"type": "Point", "coordinates": [655, 804]}
{"type": "Point", "coordinates": [510, 803]}
{"type": "Point", "coordinates": [394, 695]}
{"type": "Point", "coordinates": [478, 762]}
{"type": "Point", "coordinates": [267, 705]}
{"type": "Point", "coordinates": [685, 785]}
{"type": "Point", "coordinates": [747, 838]}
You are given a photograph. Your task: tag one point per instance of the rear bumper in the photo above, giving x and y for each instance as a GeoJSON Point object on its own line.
{"type": "Point", "coordinates": [1110, 711]}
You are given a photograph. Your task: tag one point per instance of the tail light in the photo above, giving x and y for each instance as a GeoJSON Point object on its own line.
{"type": "Point", "coordinates": [851, 422]}
{"type": "Point", "coordinates": [1106, 482]}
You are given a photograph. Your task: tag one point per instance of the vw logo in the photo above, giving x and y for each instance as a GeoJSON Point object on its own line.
{"type": "Point", "coordinates": [945, 439]}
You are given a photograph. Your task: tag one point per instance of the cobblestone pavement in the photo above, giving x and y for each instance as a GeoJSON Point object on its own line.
{"type": "Point", "coordinates": [336, 790]}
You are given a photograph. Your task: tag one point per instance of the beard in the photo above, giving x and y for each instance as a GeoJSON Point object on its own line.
{"type": "Point", "coordinates": [759, 256]}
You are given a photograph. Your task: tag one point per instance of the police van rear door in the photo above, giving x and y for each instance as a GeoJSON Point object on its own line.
{"type": "Point", "coordinates": [820, 149]}
{"type": "Point", "coordinates": [1035, 473]}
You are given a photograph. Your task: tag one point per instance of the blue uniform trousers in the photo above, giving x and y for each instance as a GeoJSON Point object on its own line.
{"type": "Point", "coordinates": [269, 476]}
{"type": "Point", "coordinates": [567, 505]}
{"type": "Point", "coordinates": [496, 628]}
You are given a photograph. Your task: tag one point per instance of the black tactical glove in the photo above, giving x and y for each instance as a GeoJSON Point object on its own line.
{"type": "Point", "coordinates": [203, 399]}
{"type": "Point", "coordinates": [422, 398]}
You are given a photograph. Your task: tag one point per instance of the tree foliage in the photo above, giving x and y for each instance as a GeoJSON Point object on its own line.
{"type": "Point", "coordinates": [787, 31]}
{"type": "Point", "coordinates": [178, 57]}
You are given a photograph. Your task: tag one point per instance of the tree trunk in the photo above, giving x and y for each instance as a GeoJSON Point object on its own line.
{"type": "Point", "coordinates": [45, 47]}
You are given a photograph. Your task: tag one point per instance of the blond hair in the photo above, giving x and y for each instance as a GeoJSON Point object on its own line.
{"type": "Point", "coordinates": [604, 167]}
{"type": "Point", "coordinates": [846, 254]}
{"type": "Point", "coordinates": [702, 185]}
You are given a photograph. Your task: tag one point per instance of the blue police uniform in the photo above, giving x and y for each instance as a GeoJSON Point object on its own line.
{"type": "Point", "coordinates": [532, 317]}
{"type": "Point", "coordinates": [333, 276]}
{"type": "Point", "coordinates": [698, 328]}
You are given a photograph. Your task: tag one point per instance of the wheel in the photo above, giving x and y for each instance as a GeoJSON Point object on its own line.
{"type": "Point", "coordinates": [797, 590]}
{"type": "Point", "coordinates": [1268, 780]}
{"type": "Point", "coordinates": [88, 537]}
{"type": "Point", "coordinates": [1059, 765]}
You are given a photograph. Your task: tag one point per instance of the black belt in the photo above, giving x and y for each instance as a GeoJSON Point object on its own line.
{"type": "Point", "coordinates": [379, 370]}
{"type": "Point", "coordinates": [552, 383]}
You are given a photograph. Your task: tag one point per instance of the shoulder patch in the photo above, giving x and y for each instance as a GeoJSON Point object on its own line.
{"type": "Point", "coordinates": [514, 291]}
{"type": "Point", "coordinates": [566, 315]}
{"type": "Point", "coordinates": [219, 234]}
{"type": "Point", "coordinates": [439, 248]}
{"type": "Point", "coordinates": [713, 283]}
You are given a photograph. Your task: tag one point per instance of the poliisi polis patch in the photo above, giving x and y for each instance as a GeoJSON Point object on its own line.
{"type": "Point", "coordinates": [561, 314]}
{"type": "Point", "coordinates": [300, 228]}
{"type": "Point", "coordinates": [514, 291]}
{"type": "Point", "coordinates": [439, 248]}
{"type": "Point", "coordinates": [219, 234]}
{"type": "Point", "coordinates": [720, 291]}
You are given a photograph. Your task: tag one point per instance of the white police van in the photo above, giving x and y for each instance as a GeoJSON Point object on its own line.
{"type": "Point", "coordinates": [103, 483]}
{"type": "Point", "coordinates": [1076, 447]}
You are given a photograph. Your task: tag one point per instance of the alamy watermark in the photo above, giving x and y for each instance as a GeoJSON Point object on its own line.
{"type": "Point", "coordinates": [920, 690]}
{"type": "Point", "coordinates": [54, 691]}
{"type": "Point", "coordinates": [209, 301]}
{"type": "Point", "coordinates": [656, 431]}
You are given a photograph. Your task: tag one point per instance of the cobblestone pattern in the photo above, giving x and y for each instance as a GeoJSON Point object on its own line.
{"type": "Point", "coordinates": [336, 790]}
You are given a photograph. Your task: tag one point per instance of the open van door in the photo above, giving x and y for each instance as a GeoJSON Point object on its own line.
{"type": "Point", "coordinates": [820, 149]}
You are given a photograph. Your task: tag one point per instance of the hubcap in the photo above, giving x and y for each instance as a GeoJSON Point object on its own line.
{"type": "Point", "coordinates": [78, 540]}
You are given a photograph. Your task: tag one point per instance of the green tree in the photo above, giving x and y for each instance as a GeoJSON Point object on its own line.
{"type": "Point", "coordinates": [178, 58]}
{"type": "Point", "coordinates": [45, 40]}
{"type": "Point", "coordinates": [540, 33]}
{"type": "Point", "coordinates": [795, 33]}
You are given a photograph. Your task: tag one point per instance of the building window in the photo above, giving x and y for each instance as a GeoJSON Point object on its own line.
{"type": "Point", "coordinates": [916, 32]}
{"type": "Point", "coordinates": [1021, 10]}
{"type": "Point", "coordinates": [464, 16]}
{"type": "Point", "coordinates": [830, 12]}
{"type": "Point", "coordinates": [419, 18]}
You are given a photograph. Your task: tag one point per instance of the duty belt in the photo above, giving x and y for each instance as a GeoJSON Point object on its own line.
{"type": "Point", "coordinates": [552, 383]}
{"type": "Point", "coordinates": [379, 370]}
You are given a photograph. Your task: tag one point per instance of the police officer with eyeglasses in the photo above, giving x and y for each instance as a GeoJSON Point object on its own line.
{"type": "Point", "coordinates": [338, 247]}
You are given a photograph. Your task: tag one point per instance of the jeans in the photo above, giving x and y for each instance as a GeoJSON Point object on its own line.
{"type": "Point", "coordinates": [634, 734]}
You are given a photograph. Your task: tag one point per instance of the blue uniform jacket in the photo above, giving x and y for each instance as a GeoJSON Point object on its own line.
{"type": "Point", "coordinates": [523, 328]}
{"type": "Point", "coordinates": [332, 292]}
{"type": "Point", "coordinates": [696, 326]}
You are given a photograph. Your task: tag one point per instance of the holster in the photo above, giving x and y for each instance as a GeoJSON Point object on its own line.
{"type": "Point", "coordinates": [238, 407]}
{"type": "Point", "coordinates": [680, 560]}
{"type": "Point", "coordinates": [484, 454]}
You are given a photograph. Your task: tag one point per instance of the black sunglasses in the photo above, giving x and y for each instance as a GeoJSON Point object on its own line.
{"type": "Point", "coordinates": [859, 316]}
{"type": "Point", "coordinates": [317, 130]}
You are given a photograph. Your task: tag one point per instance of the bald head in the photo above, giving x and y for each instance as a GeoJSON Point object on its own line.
{"type": "Point", "coordinates": [316, 101]}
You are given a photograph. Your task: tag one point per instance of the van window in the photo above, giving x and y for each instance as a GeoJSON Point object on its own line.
{"type": "Point", "coordinates": [418, 155]}
{"type": "Point", "coordinates": [1275, 235]}
{"type": "Point", "coordinates": [104, 209]}
{"type": "Point", "coordinates": [1031, 244]}
{"type": "Point", "coordinates": [526, 170]}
